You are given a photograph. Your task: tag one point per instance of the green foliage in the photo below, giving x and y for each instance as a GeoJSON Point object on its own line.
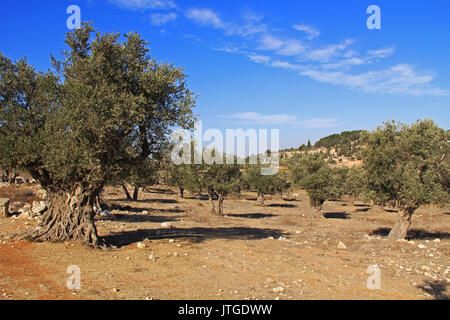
{"type": "Point", "coordinates": [407, 165]}
{"type": "Point", "coordinates": [320, 181]}
{"type": "Point", "coordinates": [264, 184]}
{"type": "Point", "coordinates": [106, 108]}
{"type": "Point", "coordinates": [346, 143]}
{"type": "Point", "coordinates": [355, 183]}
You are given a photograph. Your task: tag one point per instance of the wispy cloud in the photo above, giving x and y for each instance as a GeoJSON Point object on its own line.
{"type": "Point", "coordinates": [145, 4]}
{"type": "Point", "coordinates": [328, 52]}
{"type": "Point", "coordinates": [284, 119]}
{"type": "Point", "coordinates": [401, 79]}
{"type": "Point", "coordinates": [381, 53]}
{"type": "Point", "coordinates": [319, 123]}
{"type": "Point", "coordinates": [206, 17]}
{"type": "Point", "coordinates": [330, 63]}
{"type": "Point", "coordinates": [159, 19]}
{"type": "Point", "coordinates": [309, 30]}
{"type": "Point", "coordinates": [258, 118]}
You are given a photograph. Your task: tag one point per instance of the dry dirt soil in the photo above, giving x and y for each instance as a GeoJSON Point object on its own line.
{"type": "Point", "coordinates": [253, 252]}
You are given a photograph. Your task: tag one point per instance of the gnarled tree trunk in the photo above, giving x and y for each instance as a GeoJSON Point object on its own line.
{"type": "Point", "coordinates": [70, 216]}
{"type": "Point", "coordinates": [401, 227]}
{"type": "Point", "coordinates": [181, 193]}
{"type": "Point", "coordinates": [135, 193]}
{"type": "Point", "coordinates": [261, 199]}
{"type": "Point", "coordinates": [124, 187]}
{"type": "Point", "coordinates": [220, 205]}
{"type": "Point", "coordinates": [213, 207]}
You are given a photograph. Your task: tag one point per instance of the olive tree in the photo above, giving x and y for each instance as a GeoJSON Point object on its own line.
{"type": "Point", "coordinates": [354, 184]}
{"type": "Point", "coordinates": [264, 184]}
{"type": "Point", "coordinates": [217, 178]}
{"type": "Point", "coordinates": [320, 181]}
{"type": "Point", "coordinates": [105, 105]}
{"type": "Point", "coordinates": [407, 166]}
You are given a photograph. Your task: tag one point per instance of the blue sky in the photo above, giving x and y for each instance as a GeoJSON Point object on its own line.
{"type": "Point", "coordinates": [308, 68]}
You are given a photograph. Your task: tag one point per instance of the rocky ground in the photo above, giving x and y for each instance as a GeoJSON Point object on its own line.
{"type": "Point", "coordinates": [170, 248]}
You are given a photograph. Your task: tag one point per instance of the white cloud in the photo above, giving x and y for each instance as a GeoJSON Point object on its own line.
{"type": "Point", "coordinates": [259, 58]}
{"type": "Point", "coordinates": [144, 4]}
{"type": "Point", "coordinates": [328, 52]}
{"type": "Point", "coordinates": [291, 48]}
{"type": "Point", "coordinates": [318, 123]}
{"type": "Point", "coordinates": [257, 118]}
{"type": "Point", "coordinates": [206, 17]}
{"type": "Point", "coordinates": [381, 53]}
{"type": "Point", "coordinates": [269, 43]}
{"type": "Point", "coordinates": [310, 31]}
{"type": "Point", "coordinates": [278, 119]}
{"type": "Point", "coordinates": [159, 19]}
{"type": "Point", "coordinates": [287, 47]}
{"type": "Point", "coordinates": [401, 79]}
{"type": "Point", "coordinates": [330, 63]}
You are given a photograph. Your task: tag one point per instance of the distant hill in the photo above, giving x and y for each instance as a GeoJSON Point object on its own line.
{"type": "Point", "coordinates": [341, 144]}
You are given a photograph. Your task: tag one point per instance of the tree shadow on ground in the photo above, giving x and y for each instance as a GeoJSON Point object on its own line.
{"type": "Point", "coordinates": [196, 235]}
{"type": "Point", "coordinates": [252, 215]}
{"type": "Point", "coordinates": [362, 209]}
{"type": "Point", "coordinates": [336, 215]}
{"type": "Point", "coordinates": [281, 205]}
{"type": "Point", "coordinates": [436, 289]}
{"type": "Point", "coordinates": [159, 191]}
{"type": "Point", "coordinates": [136, 218]}
{"type": "Point", "coordinates": [414, 234]}
{"type": "Point", "coordinates": [151, 201]}
{"type": "Point", "coordinates": [120, 207]}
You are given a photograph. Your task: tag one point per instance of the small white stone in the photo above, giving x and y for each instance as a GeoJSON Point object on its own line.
{"type": "Point", "coordinates": [141, 245]}
{"type": "Point", "coordinates": [166, 225]}
{"type": "Point", "coordinates": [341, 245]}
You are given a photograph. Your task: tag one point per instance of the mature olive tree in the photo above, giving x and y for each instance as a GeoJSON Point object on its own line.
{"type": "Point", "coordinates": [408, 166]}
{"type": "Point", "coordinates": [106, 105]}
{"type": "Point", "coordinates": [264, 184]}
{"type": "Point", "coordinates": [218, 180]}
{"type": "Point", "coordinates": [320, 181]}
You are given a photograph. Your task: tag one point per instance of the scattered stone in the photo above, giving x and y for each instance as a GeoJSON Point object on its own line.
{"type": "Point", "coordinates": [175, 255]}
{"type": "Point", "coordinates": [141, 245]}
{"type": "Point", "coordinates": [171, 240]}
{"type": "Point", "coordinates": [341, 245]}
{"type": "Point", "coordinates": [437, 240]}
{"type": "Point", "coordinates": [38, 207]}
{"type": "Point", "coordinates": [278, 289]}
{"type": "Point", "coordinates": [421, 246]}
{"type": "Point", "coordinates": [153, 257]}
{"type": "Point", "coordinates": [115, 290]}
{"type": "Point", "coordinates": [166, 225]}
{"type": "Point", "coordinates": [105, 214]}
